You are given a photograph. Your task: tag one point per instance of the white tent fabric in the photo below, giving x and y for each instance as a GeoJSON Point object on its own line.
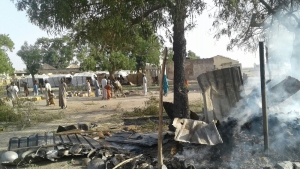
{"type": "Point", "coordinates": [38, 78]}
{"type": "Point", "coordinates": [54, 80]}
{"type": "Point", "coordinates": [124, 73]}
{"type": "Point", "coordinates": [79, 79]}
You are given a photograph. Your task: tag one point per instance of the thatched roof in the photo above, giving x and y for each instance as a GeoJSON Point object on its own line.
{"type": "Point", "coordinates": [73, 66]}
{"type": "Point", "coordinates": [46, 66]}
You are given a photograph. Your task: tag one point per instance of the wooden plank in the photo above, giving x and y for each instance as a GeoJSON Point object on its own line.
{"type": "Point", "coordinates": [84, 142]}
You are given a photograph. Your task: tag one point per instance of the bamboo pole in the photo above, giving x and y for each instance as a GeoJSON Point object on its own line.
{"type": "Point", "coordinates": [160, 123]}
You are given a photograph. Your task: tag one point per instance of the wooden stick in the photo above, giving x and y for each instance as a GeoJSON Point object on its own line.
{"type": "Point", "coordinates": [160, 122]}
{"type": "Point", "coordinates": [76, 131]}
{"type": "Point", "coordinates": [127, 161]}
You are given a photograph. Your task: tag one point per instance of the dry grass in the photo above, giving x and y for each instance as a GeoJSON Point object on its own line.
{"type": "Point", "coordinates": [196, 106]}
{"type": "Point", "coordinates": [150, 126]}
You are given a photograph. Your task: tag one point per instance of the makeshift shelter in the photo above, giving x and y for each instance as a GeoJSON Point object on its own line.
{"type": "Point", "coordinates": [39, 78]}
{"type": "Point", "coordinates": [79, 79]}
{"type": "Point", "coordinates": [54, 80]}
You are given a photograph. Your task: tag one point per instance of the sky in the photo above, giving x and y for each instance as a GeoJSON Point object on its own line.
{"type": "Point", "coordinates": [200, 40]}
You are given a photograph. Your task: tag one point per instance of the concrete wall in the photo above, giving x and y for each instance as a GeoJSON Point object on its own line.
{"type": "Point", "coordinates": [221, 62]}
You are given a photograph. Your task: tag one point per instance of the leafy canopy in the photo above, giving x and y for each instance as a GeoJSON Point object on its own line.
{"type": "Point", "coordinates": [57, 52]}
{"type": "Point", "coordinates": [6, 44]}
{"type": "Point", "coordinates": [31, 56]}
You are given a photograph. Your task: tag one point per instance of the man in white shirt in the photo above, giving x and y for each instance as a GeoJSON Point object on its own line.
{"type": "Point", "coordinates": [104, 92]}
{"type": "Point", "coordinates": [47, 89]}
{"type": "Point", "coordinates": [145, 84]}
{"type": "Point", "coordinates": [13, 90]}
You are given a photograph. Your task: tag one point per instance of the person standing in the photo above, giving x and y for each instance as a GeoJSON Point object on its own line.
{"type": "Point", "coordinates": [166, 86]}
{"type": "Point", "coordinates": [26, 91]}
{"type": "Point", "coordinates": [88, 87]}
{"type": "Point", "coordinates": [35, 88]}
{"type": "Point", "coordinates": [145, 84]}
{"type": "Point", "coordinates": [62, 94]}
{"type": "Point", "coordinates": [13, 90]}
{"type": "Point", "coordinates": [108, 90]}
{"type": "Point", "coordinates": [104, 92]}
{"type": "Point", "coordinates": [97, 87]}
{"type": "Point", "coordinates": [47, 91]}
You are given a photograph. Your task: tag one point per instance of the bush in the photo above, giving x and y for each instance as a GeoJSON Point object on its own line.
{"type": "Point", "coordinates": [7, 113]}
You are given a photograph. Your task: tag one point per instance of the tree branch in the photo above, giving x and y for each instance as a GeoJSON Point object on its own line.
{"type": "Point", "coordinates": [146, 13]}
{"type": "Point", "coordinates": [269, 8]}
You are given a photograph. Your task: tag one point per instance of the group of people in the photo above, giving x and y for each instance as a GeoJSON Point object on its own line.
{"type": "Point", "coordinates": [106, 86]}
{"type": "Point", "coordinates": [62, 94]}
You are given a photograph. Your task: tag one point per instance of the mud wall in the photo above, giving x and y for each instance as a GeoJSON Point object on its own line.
{"type": "Point", "coordinates": [220, 90]}
{"type": "Point", "coordinates": [192, 68]}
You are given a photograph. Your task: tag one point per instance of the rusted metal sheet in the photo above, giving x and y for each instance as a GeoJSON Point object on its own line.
{"type": "Point", "coordinates": [221, 91]}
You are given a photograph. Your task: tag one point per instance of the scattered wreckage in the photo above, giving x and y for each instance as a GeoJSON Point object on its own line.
{"type": "Point", "coordinates": [119, 149]}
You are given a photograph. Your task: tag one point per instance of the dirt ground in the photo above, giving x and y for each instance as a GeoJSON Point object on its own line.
{"type": "Point", "coordinates": [105, 113]}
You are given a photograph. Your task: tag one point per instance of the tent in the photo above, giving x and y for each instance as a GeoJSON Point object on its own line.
{"type": "Point", "coordinates": [54, 80]}
{"type": "Point", "coordinates": [39, 78]}
{"type": "Point", "coordinates": [79, 79]}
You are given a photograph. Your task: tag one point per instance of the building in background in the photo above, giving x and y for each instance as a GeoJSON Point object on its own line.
{"type": "Point", "coordinates": [195, 67]}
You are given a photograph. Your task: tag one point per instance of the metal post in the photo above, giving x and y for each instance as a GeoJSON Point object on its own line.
{"type": "Point", "coordinates": [263, 95]}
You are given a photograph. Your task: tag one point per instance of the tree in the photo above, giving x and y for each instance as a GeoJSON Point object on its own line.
{"type": "Point", "coordinates": [145, 51]}
{"type": "Point", "coordinates": [5, 44]}
{"type": "Point", "coordinates": [251, 20]}
{"type": "Point", "coordinates": [57, 52]}
{"type": "Point", "coordinates": [31, 56]}
{"type": "Point", "coordinates": [123, 15]}
{"type": "Point", "coordinates": [192, 55]}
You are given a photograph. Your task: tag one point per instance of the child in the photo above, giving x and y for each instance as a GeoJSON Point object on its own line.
{"type": "Point", "coordinates": [51, 97]}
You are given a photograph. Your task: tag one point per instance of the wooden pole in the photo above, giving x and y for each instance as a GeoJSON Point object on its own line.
{"type": "Point", "coordinates": [160, 122]}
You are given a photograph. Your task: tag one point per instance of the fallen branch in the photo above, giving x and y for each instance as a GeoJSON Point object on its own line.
{"type": "Point", "coordinates": [76, 132]}
{"type": "Point", "coordinates": [127, 161]}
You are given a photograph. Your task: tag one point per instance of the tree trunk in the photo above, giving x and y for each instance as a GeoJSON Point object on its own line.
{"type": "Point", "coordinates": [112, 75]}
{"type": "Point", "coordinates": [181, 107]}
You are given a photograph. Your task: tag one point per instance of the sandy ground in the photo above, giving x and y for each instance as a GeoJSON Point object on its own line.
{"type": "Point", "coordinates": [88, 109]}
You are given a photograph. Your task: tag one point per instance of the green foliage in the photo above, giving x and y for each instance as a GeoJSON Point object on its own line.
{"type": "Point", "coordinates": [146, 51]}
{"type": "Point", "coordinates": [7, 113]}
{"type": "Point", "coordinates": [31, 56]}
{"type": "Point", "coordinates": [5, 44]}
{"type": "Point", "coordinates": [57, 52]}
{"type": "Point", "coordinates": [192, 55]}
